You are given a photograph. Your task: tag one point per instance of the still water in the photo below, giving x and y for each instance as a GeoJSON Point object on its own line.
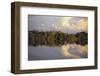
{"type": "Point", "coordinates": [69, 51]}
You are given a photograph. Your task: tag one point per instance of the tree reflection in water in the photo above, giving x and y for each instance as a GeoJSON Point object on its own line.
{"type": "Point", "coordinates": [71, 45]}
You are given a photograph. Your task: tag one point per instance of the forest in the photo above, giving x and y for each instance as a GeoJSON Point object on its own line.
{"type": "Point", "coordinates": [56, 38]}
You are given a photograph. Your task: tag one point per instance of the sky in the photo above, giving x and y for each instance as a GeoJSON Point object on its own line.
{"type": "Point", "coordinates": [64, 24]}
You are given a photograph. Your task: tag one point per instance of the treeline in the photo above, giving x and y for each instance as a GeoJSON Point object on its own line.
{"type": "Point", "coordinates": [53, 38]}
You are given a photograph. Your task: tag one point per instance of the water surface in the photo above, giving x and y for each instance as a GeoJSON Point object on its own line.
{"type": "Point", "coordinates": [69, 51]}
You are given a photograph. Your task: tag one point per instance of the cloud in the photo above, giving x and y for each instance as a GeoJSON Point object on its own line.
{"type": "Point", "coordinates": [57, 23]}
{"type": "Point", "coordinates": [73, 24]}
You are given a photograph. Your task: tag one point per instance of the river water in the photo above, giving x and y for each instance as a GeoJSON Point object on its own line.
{"type": "Point", "coordinates": [69, 51]}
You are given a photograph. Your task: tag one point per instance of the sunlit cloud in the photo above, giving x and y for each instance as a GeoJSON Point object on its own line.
{"type": "Point", "coordinates": [72, 24]}
{"type": "Point", "coordinates": [57, 23]}
{"type": "Point", "coordinates": [83, 25]}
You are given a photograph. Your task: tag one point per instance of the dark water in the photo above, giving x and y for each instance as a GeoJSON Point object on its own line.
{"type": "Point", "coordinates": [69, 51]}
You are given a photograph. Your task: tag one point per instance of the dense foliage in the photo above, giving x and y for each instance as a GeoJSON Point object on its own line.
{"type": "Point", "coordinates": [53, 38]}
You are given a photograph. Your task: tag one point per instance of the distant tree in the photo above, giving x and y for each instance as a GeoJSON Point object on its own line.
{"type": "Point", "coordinates": [71, 38]}
{"type": "Point", "coordinates": [53, 38]}
{"type": "Point", "coordinates": [82, 38]}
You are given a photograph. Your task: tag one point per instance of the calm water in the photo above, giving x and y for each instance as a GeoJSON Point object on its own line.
{"type": "Point", "coordinates": [69, 51]}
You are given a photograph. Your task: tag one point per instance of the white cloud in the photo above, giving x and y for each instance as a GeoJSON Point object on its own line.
{"type": "Point", "coordinates": [73, 24]}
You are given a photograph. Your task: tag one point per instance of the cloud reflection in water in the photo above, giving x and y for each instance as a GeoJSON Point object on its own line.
{"type": "Point", "coordinates": [74, 50]}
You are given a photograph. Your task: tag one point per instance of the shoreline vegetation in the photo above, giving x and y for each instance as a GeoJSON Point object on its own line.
{"type": "Point", "coordinates": [56, 38]}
